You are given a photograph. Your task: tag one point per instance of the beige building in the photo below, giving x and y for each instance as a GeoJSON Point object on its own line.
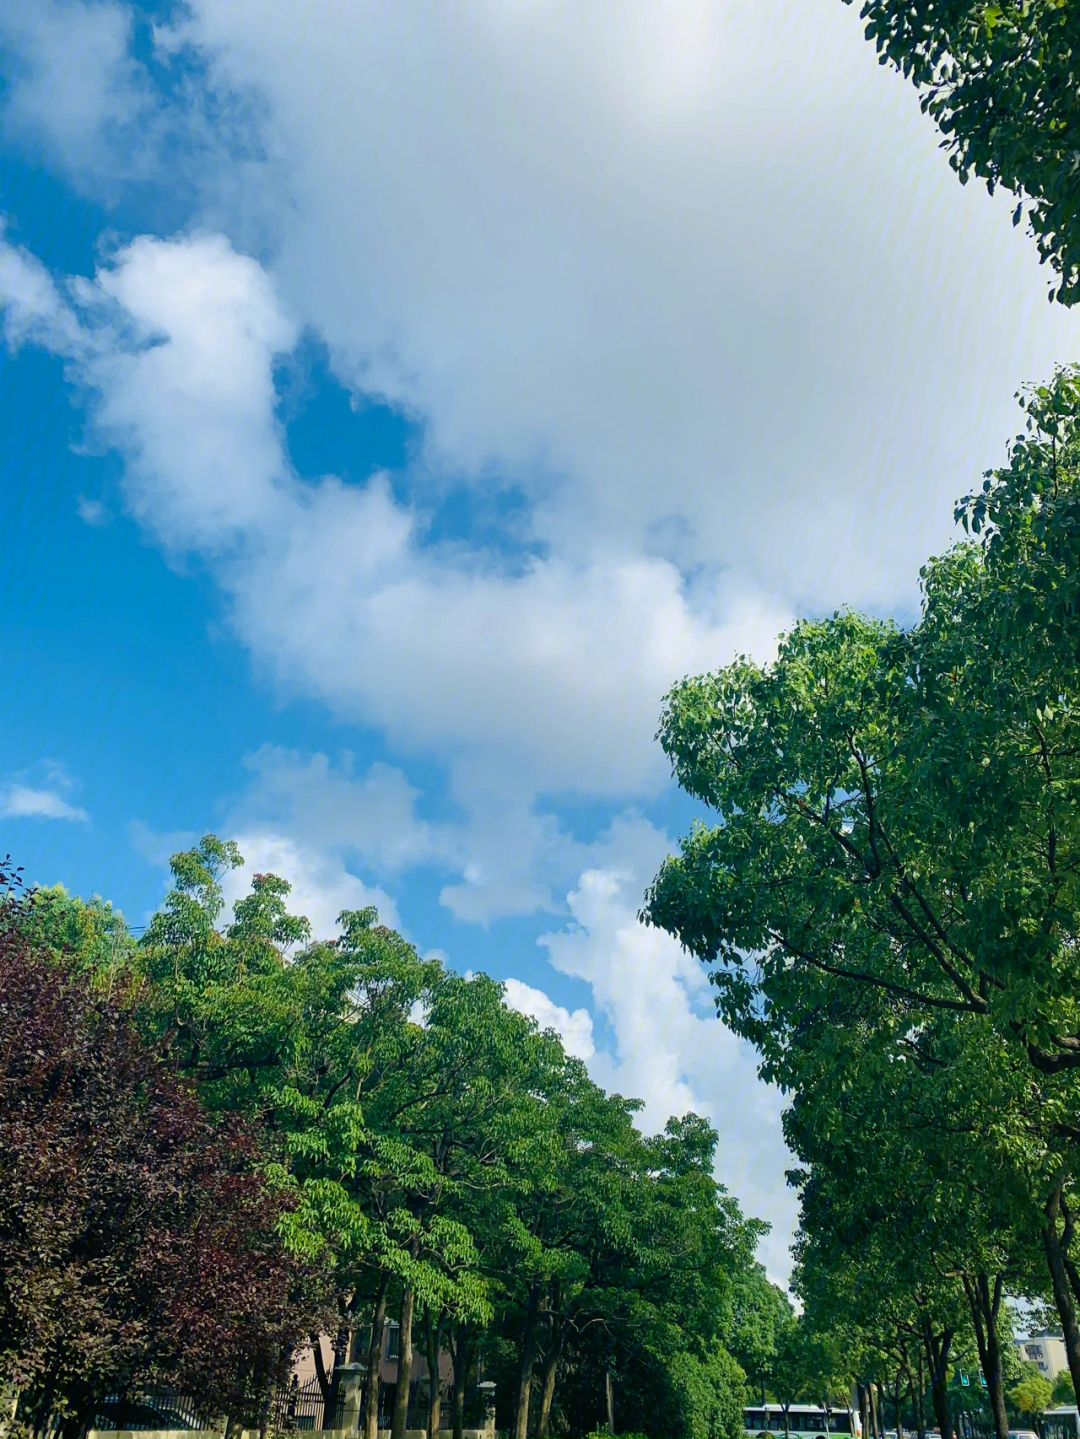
{"type": "Point", "coordinates": [1047, 1350]}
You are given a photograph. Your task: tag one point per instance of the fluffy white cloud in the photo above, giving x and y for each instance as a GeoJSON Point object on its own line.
{"type": "Point", "coordinates": [186, 336]}
{"type": "Point", "coordinates": [373, 813]}
{"type": "Point", "coordinates": [543, 679]}
{"type": "Point", "coordinates": [34, 311]}
{"type": "Point", "coordinates": [22, 801]}
{"type": "Point", "coordinates": [669, 1049]}
{"type": "Point", "coordinates": [42, 792]}
{"type": "Point", "coordinates": [73, 82]}
{"type": "Point", "coordinates": [321, 885]}
{"type": "Point", "coordinates": [575, 1028]}
{"type": "Point", "coordinates": [504, 856]}
{"type": "Point", "coordinates": [693, 272]}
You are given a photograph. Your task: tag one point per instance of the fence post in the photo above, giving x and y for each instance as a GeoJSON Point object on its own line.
{"type": "Point", "coordinates": [488, 1390]}
{"type": "Point", "coordinates": [351, 1381]}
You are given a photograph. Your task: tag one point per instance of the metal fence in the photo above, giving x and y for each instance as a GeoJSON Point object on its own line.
{"type": "Point", "coordinates": [302, 1406]}
{"type": "Point", "coordinates": [150, 1409]}
{"type": "Point", "coordinates": [296, 1407]}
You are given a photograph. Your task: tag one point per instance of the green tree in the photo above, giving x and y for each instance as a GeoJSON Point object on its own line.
{"type": "Point", "coordinates": [1032, 1393]}
{"type": "Point", "coordinates": [1000, 81]}
{"type": "Point", "coordinates": [321, 1044]}
{"type": "Point", "coordinates": [452, 1164]}
{"type": "Point", "coordinates": [618, 1272]}
{"type": "Point", "coordinates": [1063, 1392]}
{"type": "Point", "coordinates": [85, 936]}
{"type": "Point", "coordinates": [806, 1368]}
{"type": "Point", "coordinates": [898, 833]}
{"type": "Point", "coordinates": [759, 1311]}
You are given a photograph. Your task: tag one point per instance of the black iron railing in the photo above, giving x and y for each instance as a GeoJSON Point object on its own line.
{"type": "Point", "coordinates": [150, 1409]}
{"type": "Point", "coordinates": [302, 1406]}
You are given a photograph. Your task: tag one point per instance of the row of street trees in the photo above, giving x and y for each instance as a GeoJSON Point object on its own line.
{"type": "Point", "coordinates": [373, 1137]}
{"type": "Point", "coordinates": [889, 895]}
{"type": "Point", "coordinates": [889, 902]}
{"type": "Point", "coordinates": [230, 1137]}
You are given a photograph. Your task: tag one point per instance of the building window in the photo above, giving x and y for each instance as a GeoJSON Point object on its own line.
{"type": "Point", "coordinates": [393, 1341]}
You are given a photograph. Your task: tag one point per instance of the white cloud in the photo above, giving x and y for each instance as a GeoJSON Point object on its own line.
{"type": "Point", "coordinates": [545, 679]}
{"type": "Point", "coordinates": [158, 848]}
{"type": "Point", "coordinates": [575, 1029]}
{"type": "Point", "coordinates": [92, 512]}
{"type": "Point", "coordinates": [21, 801]}
{"type": "Point", "coordinates": [693, 272]}
{"type": "Point", "coordinates": [187, 390]}
{"type": "Point", "coordinates": [321, 885]}
{"type": "Point", "coordinates": [34, 310]}
{"type": "Point", "coordinates": [373, 813]}
{"type": "Point", "coordinates": [503, 857]}
{"type": "Point", "coordinates": [670, 1050]}
{"type": "Point", "coordinates": [75, 91]}
{"type": "Point", "coordinates": [96, 90]}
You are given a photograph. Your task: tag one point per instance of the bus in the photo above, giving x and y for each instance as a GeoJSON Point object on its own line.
{"type": "Point", "coordinates": [1063, 1423]}
{"type": "Point", "coordinates": [803, 1419]}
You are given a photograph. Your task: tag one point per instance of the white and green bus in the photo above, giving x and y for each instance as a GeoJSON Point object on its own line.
{"type": "Point", "coordinates": [1063, 1423]}
{"type": "Point", "coordinates": [809, 1420]}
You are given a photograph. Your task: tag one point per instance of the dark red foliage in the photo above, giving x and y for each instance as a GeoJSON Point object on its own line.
{"type": "Point", "coordinates": [137, 1240]}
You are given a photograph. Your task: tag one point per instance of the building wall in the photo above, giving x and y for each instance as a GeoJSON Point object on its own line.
{"type": "Point", "coordinates": [1047, 1351]}
{"type": "Point", "coordinates": [304, 1364]}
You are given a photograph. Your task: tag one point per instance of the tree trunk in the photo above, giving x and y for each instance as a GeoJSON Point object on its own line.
{"type": "Point", "coordinates": [864, 1408]}
{"type": "Point", "coordinates": [404, 1372]}
{"type": "Point", "coordinates": [1055, 1247]}
{"type": "Point", "coordinates": [1066, 1246]}
{"type": "Point", "coordinates": [43, 1407]}
{"type": "Point", "coordinates": [985, 1305]}
{"type": "Point", "coordinates": [787, 1424]}
{"type": "Point", "coordinates": [331, 1386]}
{"type": "Point", "coordinates": [609, 1396]}
{"type": "Point", "coordinates": [920, 1400]}
{"type": "Point", "coordinates": [551, 1367]}
{"type": "Point", "coordinates": [320, 1367]}
{"type": "Point", "coordinates": [433, 1334]}
{"type": "Point", "coordinates": [461, 1354]}
{"type": "Point", "coordinates": [374, 1361]}
{"type": "Point", "coordinates": [528, 1359]}
{"type": "Point", "coordinates": [898, 1401]}
{"type": "Point", "coordinates": [937, 1358]}
{"type": "Point", "coordinates": [264, 1412]}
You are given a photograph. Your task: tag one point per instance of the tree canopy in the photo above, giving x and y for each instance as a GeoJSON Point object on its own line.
{"type": "Point", "coordinates": [1000, 80]}
{"type": "Point", "coordinates": [438, 1158]}
{"type": "Point", "coordinates": [887, 899]}
{"type": "Point", "coordinates": [137, 1238]}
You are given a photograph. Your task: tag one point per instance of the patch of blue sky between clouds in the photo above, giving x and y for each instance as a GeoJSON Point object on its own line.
{"type": "Point", "coordinates": [332, 430]}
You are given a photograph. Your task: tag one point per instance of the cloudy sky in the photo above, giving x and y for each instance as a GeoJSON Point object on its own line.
{"type": "Point", "coordinates": [397, 397]}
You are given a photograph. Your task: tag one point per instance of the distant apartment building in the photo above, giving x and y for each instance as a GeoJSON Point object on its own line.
{"type": "Point", "coordinates": [1047, 1350]}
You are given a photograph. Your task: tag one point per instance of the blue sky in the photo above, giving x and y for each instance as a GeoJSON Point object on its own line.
{"type": "Point", "coordinates": [396, 400]}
